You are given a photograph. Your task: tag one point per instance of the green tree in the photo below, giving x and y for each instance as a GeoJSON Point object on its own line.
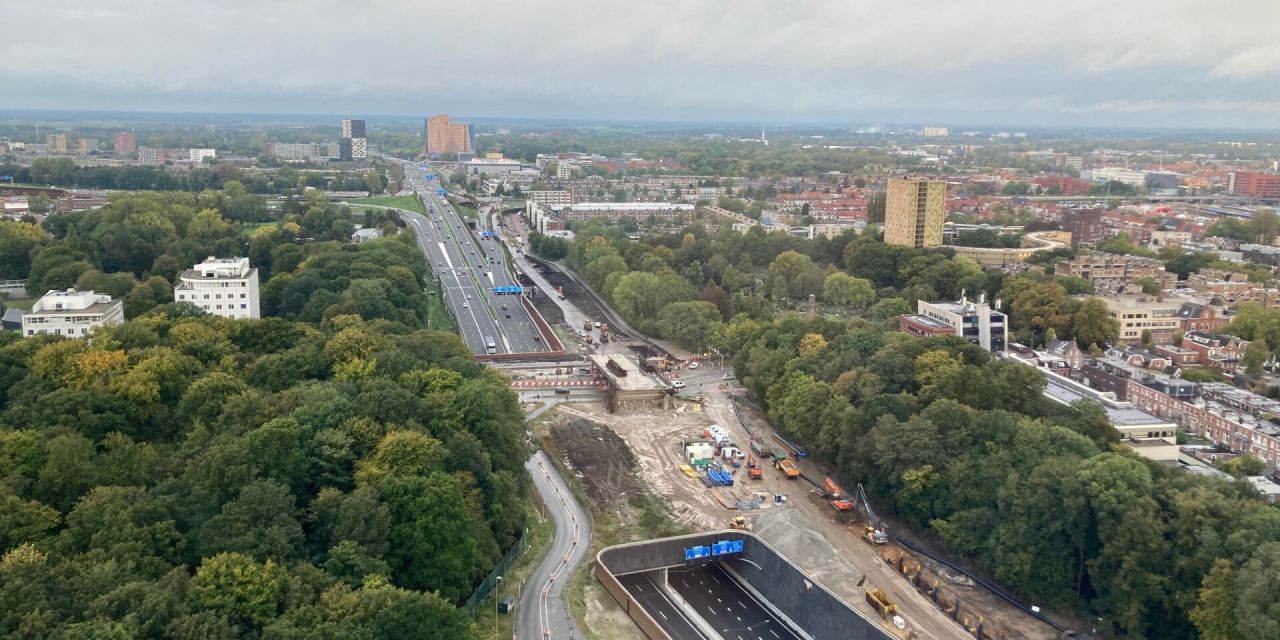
{"type": "Point", "coordinates": [1093, 325]}
{"type": "Point", "coordinates": [688, 324]}
{"type": "Point", "coordinates": [243, 590]}
{"type": "Point", "coordinates": [1215, 612]}
{"type": "Point", "coordinates": [1258, 594]}
{"type": "Point", "coordinates": [1255, 355]}
{"type": "Point", "coordinates": [845, 290]}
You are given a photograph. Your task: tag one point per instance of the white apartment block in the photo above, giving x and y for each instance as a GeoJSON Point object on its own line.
{"type": "Point", "coordinates": [226, 287]}
{"type": "Point", "coordinates": [72, 313]}
{"type": "Point", "coordinates": [196, 156]}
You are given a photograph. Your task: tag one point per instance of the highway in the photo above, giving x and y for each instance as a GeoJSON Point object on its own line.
{"type": "Point", "coordinates": [468, 268]}
{"type": "Point", "coordinates": [543, 612]}
{"type": "Point", "coordinates": [726, 606]}
{"type": "Point", "coordinates": [644, 588]}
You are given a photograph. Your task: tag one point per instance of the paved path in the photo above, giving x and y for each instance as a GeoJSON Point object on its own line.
{"type": "Point", "coordinates": [543, 611]}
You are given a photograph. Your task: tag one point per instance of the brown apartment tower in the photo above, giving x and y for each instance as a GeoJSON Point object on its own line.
{"type": "Point", "coordinates": [446, 137]}
{"type": "Point", "coordinates": [914, 210]}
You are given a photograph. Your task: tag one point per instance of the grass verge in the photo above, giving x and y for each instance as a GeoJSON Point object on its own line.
{"type": "Point", "coordinates": [400, 202]}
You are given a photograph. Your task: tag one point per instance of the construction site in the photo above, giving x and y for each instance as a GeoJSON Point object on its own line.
{"type": "Point", "coordinates": [716, 464]}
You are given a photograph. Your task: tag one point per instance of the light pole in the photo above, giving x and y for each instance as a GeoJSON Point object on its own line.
{"type": "Point", "coordinates": [495, 606]}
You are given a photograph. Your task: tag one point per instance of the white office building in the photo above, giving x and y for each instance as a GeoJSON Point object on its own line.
{"type": "Point", "coordinates": [72, 313]}
{"type": "Point", "coordinates": [198, 155]}
{"type": "Point", "coordinates": [226, 287]}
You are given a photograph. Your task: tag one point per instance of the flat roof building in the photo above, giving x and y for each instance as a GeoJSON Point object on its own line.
{"type": "Point", "coordinates": [226, 287]}
{"type": "Point", "coordinates": [976, 322]}
{"type": "Point", "coordinates": [71, 313]}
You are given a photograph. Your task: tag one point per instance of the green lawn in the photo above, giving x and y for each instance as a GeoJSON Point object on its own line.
{"type": "Point", "coordinates": [400, 202]}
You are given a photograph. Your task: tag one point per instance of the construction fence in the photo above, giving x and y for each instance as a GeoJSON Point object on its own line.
{"type": "Point", "coordinates": [490, 582]}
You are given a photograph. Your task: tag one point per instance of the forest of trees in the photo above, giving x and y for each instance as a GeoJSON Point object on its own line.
{"type": "Point", "coordinates": [334, 471]}
{"type": "Point", "coordinates": [692, 288]}
{"type": "Point", "coordinates": [964, 446]}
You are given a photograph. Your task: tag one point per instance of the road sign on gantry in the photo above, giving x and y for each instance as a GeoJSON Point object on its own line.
{"type": "Point", "coordinates": [697, 553]}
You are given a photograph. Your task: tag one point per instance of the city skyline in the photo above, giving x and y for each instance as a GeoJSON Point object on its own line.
{"type": "Point", "coordinates": [996, 61]}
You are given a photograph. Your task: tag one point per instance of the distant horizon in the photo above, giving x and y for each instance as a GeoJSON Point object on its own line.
{"type": "Point", "coordinates": [24, 117]}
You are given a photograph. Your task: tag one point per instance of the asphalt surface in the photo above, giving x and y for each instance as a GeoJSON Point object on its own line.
{"type": "Point", "coordinates": [468, 268]}
{"type": "Point", "coordinates": [543, 611]}
{"type": "Point", "coordinates": [726, 606]}
{"type": "Point", "coordinates": [644, 588]}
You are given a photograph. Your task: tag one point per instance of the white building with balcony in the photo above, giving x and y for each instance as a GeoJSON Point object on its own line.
{"type": "Point", "coordinates": [72, 313]}
{"type": "Point", "coordinates": [226, 287]}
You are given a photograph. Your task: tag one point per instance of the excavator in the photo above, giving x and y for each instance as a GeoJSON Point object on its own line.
{"type": "Point", "coordinates": [753, 467]}
{"type": "Point", "coordinates": [740, 522]}
{"type": "Point", "coordinates": [835, 495]}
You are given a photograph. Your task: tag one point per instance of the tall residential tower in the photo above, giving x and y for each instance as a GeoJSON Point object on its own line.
{"type": "Point", "coordinates": [446, 137]}
{"type": "Point", "coordinates": [352, 145]}
{"type": "Point", "coordinates": [914, 210]}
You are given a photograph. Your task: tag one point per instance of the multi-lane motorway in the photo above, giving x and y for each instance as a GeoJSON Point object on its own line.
{"type": "Point", "coordinates": [469, 267]}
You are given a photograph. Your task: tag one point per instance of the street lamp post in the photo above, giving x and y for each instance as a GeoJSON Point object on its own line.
{"type": "Point", "coordinates": [495, 606]}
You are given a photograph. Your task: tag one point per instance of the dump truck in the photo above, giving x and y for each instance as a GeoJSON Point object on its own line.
{"type": "Point", "coordinates": [740, 522]}
{"type": "Point", "coordinates": [604, 332]}
{"type": "Point", "coordinates": [586, 326]}
{"type": "Point", "coordinates": [761, 449]}
{"type": "Point", "coordinates": [880, 601]}
{"type": "Point", "coordinates": [789, 468]}
{"type": "Point", "coordinates": [587, 338]}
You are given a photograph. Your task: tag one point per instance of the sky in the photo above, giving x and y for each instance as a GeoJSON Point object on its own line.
{"type": "Point", "coordinates": [1165, 63]}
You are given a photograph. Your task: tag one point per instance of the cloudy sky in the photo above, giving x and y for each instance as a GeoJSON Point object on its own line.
{"type": "Point", "coordinates": [1090, 62]}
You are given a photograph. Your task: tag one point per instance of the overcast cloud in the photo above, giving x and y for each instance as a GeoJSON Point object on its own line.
{"type": "Point", "coordinates": [1097, 62]}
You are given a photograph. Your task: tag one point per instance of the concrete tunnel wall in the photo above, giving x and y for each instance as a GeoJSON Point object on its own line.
{"type": "Point", "coordinates": [808, 604]}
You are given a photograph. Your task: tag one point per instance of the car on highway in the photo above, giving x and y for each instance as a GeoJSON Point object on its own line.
{"type": "Point", "coordinates": [508, 314]}
{"type": "Point", "coordinates": [677, 384]}
{"type": "Point", "coordinates": [466, 306]}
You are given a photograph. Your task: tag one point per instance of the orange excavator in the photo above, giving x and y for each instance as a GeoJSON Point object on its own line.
{"type": "Point", "coordinates": [836, 495]}
{"type": "Point", "coordinates": [754, 468]}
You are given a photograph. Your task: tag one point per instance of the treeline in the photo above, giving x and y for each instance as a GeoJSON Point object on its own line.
{"type": "Point", "coordinates": [64, 172]}
{"type": "Point", "coordinates": [964, 447]}
{"type": "Point", "coordinates": [691, 287]}
{"type": "Point", "coordinates": [135, 248]}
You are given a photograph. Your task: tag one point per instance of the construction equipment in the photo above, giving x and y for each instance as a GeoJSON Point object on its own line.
{"type": "Point", "coordinates": [740, 522]}
{"type": "Point", "coordinates": [838, 500]}
{"type": "Point", "coordinates": [755, 471]}
{"type": "Point", "coordinates": [789, 469]}
{"type": "Point", "coordinates": [880, 601]}
{"type": "Point", "coordinates": [604, 332]}
{"type": "Point", "coordinates": [586, 326]}
{"type": "Point", "coordinates": [761, 449]}
{"type": "Point", "coordinates": [876, 536]}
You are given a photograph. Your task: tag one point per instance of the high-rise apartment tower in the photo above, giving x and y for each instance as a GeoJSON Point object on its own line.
{"type": "Point", "coordinates": [914, 210]}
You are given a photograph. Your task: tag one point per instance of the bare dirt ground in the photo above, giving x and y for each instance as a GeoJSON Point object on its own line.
{"type": "Point", "coordinates": [802, 528]}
